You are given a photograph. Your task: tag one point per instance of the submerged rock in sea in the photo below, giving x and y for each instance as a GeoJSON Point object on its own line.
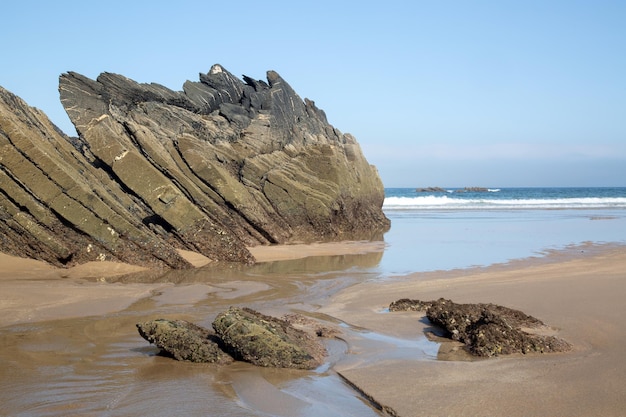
{"type": "Point", "coordinates": [486, 329]}
{"type": "Point", "coordinates": [267, 341]}
{"type": "Point", "coordinates": [184, 341]}
{"type": "Point", "coordinates": [223, 165]}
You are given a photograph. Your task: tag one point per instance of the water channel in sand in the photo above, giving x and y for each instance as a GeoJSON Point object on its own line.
{"type": "Point", "coordinates": [100, 365]}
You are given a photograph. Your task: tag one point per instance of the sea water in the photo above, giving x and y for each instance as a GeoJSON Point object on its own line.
{"type": "Point", "coordinates": [411, 199]}
{"type": "Point", "coordinates": [455, 228]}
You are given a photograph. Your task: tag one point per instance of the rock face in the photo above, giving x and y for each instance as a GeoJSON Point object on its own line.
{"type": "Point", "coordinates": [57, 207]}
{"type": "Point", "coordinates": [267, 341]}
{"type": "Point", "coordinates": [485, 329]}
{"type": "Point", "coordinates": [240, 333]}
{"type": "Point", "coordinates": [220, 166]}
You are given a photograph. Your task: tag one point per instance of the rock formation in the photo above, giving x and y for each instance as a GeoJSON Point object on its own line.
{"type": "Point", "coordinates": [472, 190]}
{"type": "Point", "coordinates": [460, 190]}
{"type": "Point", "coordinates": [220, 166]}
{"type": "Point", "coordinates": [184, 341]}
{"type": "Point", "coordinates": [431, 190]}
{"type": "Point", "coordinates": [240, 333]}
{"type": "Point", "coordinates": [267, 341]}
{"type": "Point", "coordinates": [485, 329]}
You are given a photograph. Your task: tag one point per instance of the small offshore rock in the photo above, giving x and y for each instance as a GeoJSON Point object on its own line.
{"type": "Point", "coordinates": [473, 190]}
{"type": "Point", "coordinates": [430, 190]}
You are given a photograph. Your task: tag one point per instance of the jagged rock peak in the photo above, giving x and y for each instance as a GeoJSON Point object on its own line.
{"type": "Point", "coordinates": [218, 167]}
{"type": "Point", "coordinates": [216, 69]}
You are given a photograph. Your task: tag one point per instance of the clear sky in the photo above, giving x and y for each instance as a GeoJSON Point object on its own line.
{"type": "Point", "coordinates": [438, 93]}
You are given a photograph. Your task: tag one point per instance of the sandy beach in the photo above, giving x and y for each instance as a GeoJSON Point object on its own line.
{"type": "Point", "coordinates": [35, 291]}
{"type": "Point", "coordinates": [580, 298]}
{"type": "Point", "coordinates": [579, 295]}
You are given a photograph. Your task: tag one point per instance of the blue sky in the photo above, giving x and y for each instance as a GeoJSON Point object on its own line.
{"type": "Point", "coordinates": [456, 93]}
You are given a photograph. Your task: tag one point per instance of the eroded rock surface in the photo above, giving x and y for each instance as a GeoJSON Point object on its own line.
{"type": "Point", "coordinates": [267, 341]}
{"type": "Point", "coordinates": [58, 207]}
{"type": "Point", "coordinates": [239, 333]}
{"type": "Point", "coordinates": [220, 166]}
{"type": "Point", "coordinates": [486, 329]}
{"type": "Point", "coordinates": [184, 341]}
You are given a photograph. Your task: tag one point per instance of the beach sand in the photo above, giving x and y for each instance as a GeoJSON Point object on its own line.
{"type": "Point", "coordinates": [34, 291]}
{"type": "Point", "coordinates": [580, 296]}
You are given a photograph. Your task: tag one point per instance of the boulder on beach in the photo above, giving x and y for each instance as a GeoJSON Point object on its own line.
{"type": "Point", "coordinates": [243, 334]}
{"type": "Point", "coordinates": [486, 329]}
{"type": "Point", "coordinates": [223, 165]}
{"type": "Point", "coordinates": [267, 341]}
{"type": "Point", "coordinates": [184, 341]}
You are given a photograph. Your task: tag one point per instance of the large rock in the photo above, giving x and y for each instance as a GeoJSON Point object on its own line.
{"type": "Point", "coordinates": [220, 166]}
{"type": "Point", "coordinates": [267, 341]}
{"type": "Point", "coordinates": [184, 341]}
{"type": "Point", "coordinates": [243, 334]}
{"type": "Point", "coordinates": [486, 329]}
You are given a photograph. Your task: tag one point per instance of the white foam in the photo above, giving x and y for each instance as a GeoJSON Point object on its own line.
{"type": "Point", "coordinates": [445, 202]}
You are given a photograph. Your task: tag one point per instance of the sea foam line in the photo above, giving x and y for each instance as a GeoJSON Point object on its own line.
{"type": "Point", "coordinates": [445, 202]}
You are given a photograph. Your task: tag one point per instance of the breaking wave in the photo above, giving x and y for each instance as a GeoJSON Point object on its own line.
{"type": "Point", "coordinates": [445, 202]}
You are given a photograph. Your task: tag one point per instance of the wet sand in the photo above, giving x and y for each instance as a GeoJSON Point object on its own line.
{"type": "Point", "coordinates": [285, 252]}
{"type": "Point", "coordinates": [69, 345]}
{"type": "Point", "coordinates": [34, 291]}
{"type": "Point", "coordinates": [581, 297]}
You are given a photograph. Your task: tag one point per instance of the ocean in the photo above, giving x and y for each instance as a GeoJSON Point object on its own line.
{"type": "Point", "coordinates": [454, 228]}
{"type": "Point", "coordinates": [505, 199]}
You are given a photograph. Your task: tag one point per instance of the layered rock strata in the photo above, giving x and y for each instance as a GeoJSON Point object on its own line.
{"type": "Point", "coordinates": [220, 166]}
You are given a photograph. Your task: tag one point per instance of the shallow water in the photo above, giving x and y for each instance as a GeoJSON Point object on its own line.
{"type": "Point", "coordinates": [100, 366]}
{"type": "Point", "coordinates": [443, 240]}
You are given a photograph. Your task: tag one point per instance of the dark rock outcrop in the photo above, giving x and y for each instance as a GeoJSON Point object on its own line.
{"type": "Point", "coordinates": [184, 341]}
{"type": "Point", "coordinates": [240, 333]}
{"type": "Point", "coordinates": [406, 304]}
{"type": "Point", "coordinates": [472, 190]}
{"type": "Point", "coordinates": [220, 166]}
{"type": "Point", "coordinates": [267, 341]}
{"type": "Point", "coordinates": [431, 190]}
{"type": "Point", "coordinates": [459, 190]}
{"type": "Point", "coordinates": [486, 329]}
